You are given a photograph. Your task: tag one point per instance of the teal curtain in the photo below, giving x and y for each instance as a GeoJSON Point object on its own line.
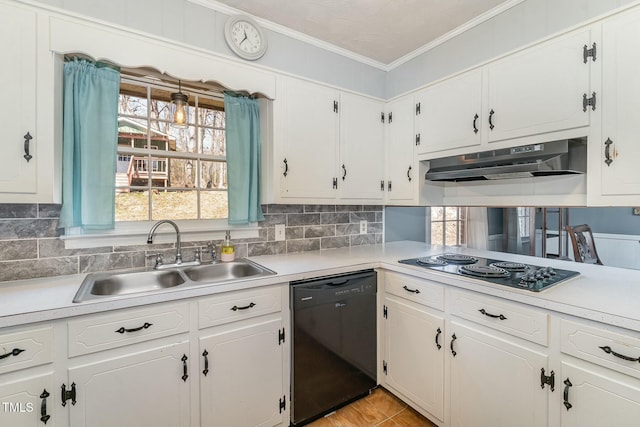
{"type": "Point", "coordinates": [90, 138]}
{"type": "Point", "coordinates": [242, 123]}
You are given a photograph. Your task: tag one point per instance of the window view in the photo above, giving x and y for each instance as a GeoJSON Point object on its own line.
{"type": "Point", "coordinates": [165, 172]}
{"type": "Point", "coordinates": [448, 225]}
{"type": "Point", "coordinates": [524, 222]}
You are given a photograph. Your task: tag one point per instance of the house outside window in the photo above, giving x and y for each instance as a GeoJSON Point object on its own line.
{"type": "Point", "coordinates": [164, 172]}
{"type": "Point", "coordinates": [448, 225]}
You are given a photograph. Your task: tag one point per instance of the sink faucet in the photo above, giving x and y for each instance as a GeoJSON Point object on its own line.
{"type": "Point", "coordinates": [152, 232]}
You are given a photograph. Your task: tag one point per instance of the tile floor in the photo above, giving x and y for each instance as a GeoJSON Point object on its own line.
{"type": "Point", "coordinates": [380, 408]}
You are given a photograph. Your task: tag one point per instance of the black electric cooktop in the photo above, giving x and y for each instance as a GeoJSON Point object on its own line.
{"type": "Point", "coordinates": [530, 277]}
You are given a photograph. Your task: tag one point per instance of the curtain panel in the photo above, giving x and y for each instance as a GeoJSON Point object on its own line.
{"type": "Point", "coordinates": [90, 139]}
{"type": "Point", "coordinates": [242, 123]}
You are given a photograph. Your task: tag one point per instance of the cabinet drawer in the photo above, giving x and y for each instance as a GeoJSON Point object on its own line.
{"type": "Point", "coordinates": [23, 349]}
{"type": "Point", "coordinates": [123, 327]}
{"type": "Point", "coordinates": [238, 305]}
{"type": "Point", "coordinates": [607, 347]}
{"type": "Point", "coordinates": [512, 318]}
{"type": "Point", "coordinates": [414, 289]}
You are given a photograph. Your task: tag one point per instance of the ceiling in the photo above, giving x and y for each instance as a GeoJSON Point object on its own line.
{"type": "Point", "coordinates": [383, 31]}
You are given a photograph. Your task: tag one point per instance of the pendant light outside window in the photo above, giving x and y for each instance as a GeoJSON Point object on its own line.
{"type": "Point", "coordinates": [179, 108]}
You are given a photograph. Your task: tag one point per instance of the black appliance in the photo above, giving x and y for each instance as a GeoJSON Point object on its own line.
{"type": "Point", "coordinates": [334, 343]}
{"type": "Point", "coordinates": [513, 274]}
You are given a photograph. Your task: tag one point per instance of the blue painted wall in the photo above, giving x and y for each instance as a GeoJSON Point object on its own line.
{"type": "Point", "coordinates": [405, 223]}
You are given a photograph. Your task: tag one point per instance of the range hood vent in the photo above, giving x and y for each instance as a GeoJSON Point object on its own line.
{"type": "Point", "coordinates": [562, 157]}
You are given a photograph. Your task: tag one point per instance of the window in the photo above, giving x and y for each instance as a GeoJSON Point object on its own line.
{"type": "Point", "coordinates": [448, 226]}
{"type": "Point", "coordinates": [164, 172]}
{"type": "Point", "coordinates": [524, 222]}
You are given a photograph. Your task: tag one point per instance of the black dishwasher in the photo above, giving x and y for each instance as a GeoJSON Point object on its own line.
{"type": "Point", "coordinates": [334, 343]}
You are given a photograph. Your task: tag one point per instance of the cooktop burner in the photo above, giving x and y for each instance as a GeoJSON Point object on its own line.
{"type": "Point", "coordinates": [510, 266]}
{"type": "Point", "coordinates": [457, 258]}
{"type": "Point", "coordinates": [514, 274]}
{"type": "Point", "coordinates": [488, 271]}
{"type": "Point", "coordinates": [431, 261]}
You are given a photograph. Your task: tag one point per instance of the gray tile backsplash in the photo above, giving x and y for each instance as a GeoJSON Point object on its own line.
{"type": "Point", "coordinates": [30, 246]}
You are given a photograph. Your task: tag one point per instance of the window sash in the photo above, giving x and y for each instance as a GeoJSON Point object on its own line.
{"type": "Point", "coordinates": [151, 155]}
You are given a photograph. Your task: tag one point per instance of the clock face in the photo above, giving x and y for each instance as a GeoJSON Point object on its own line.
{"type": "Point", "coordinates": [245, 38]}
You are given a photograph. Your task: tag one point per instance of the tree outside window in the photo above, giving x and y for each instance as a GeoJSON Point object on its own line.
{"type": "Point", "coordinates": [164, 172]}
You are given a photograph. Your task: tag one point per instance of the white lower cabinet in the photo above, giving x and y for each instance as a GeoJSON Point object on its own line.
{"type": "Point", "coordinates": [144, 387]}
{"type": "Point", "coordinates": [413, 354]}
{"type": "Point", "coordinates": [244, 358]}
{"type": "Point", "coordinates": [412, 336]}
{"type": "Point", "coordinates": [594, 397]}
{"type": "Point", "coordinates": [493, 380]}
{"type": "Point", "coordinates": [220, 360]}
{"type": "Point", "coordinates": [241, 375]}
{"type": "Point", "coordinates": [27, 392]}
{"type": "Point", "coordinates": [600, 374]}
{"type": "Point", "coordinates": [28, 401]}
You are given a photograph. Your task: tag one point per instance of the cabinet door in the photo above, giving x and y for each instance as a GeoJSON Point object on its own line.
{"type": "Point", "coordinates": [310, 138]}
{"type": "Point", "coordinates": [621, 103]}
{"type": "Point", "coordinates": [28, 402]}
{"type": "Point", "coordinates": [244, 382]}
{"type": "Point", "coordinates": [402, 174]}
{"type": "Point", "coordinates": [594, 398]}
{"type": "Point", "coordinates": [17, 112]}
{"type": "Point", "coordinates": [539, 89]}
{"type": "Point", "coordinates": [142, 388]}
{"type": "Point", "coordinates": [495, 382]}
{"type": "Point", "coordinates": [361, 148]}
{"type": "Point", "coordinates": [414, 355]}
{"type": "Point", "coordinates": [449, 113]}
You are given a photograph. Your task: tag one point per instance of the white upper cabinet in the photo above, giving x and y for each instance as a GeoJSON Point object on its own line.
{"type": "Point", "coordinates": [449, 114]}
{"type": "Point", "coordinates": [309, 140]}
{"type": "Point", "coordinates": [536, 94]}
{"type": "Point", "coordinates": [402, 178]}
{"type": "Point", "coordinates": [20, 156]}
{"type": "Point", "coordinates": [329, 145]}
{"type": "Point", "coordinates": [361, 147]}
{"type": "Point", "coordinates": [539, 90]}
{"type": "Point", "coordinates": [616, 149]}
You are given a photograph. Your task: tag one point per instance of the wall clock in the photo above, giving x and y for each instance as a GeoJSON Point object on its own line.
{"type": "Point", "coordinates": [245, 37]}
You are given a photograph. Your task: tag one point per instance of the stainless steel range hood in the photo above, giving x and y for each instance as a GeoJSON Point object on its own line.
{"type": "Point", "coordinates": [550, 158]}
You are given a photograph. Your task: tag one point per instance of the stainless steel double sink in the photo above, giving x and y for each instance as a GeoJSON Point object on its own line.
{"type": "Point", "coordinates": [110, 285]}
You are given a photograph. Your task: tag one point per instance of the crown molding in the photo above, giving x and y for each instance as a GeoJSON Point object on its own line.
{"type": "Point", "coordinates": [455, 32]}
{"type": "Point", "coordinates": [228, 10]}
{"type": "Point", "coordinates": [281, 29]}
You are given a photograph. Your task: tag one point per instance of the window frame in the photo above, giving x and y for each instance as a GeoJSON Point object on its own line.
{"type": "Point", "coordinates": [460, 231]}
{"type": "Point", "coordinates": [135, 232]}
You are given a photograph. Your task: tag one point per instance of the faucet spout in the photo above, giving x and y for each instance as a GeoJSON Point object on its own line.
{"type": "Point", "coordinates": [152, 233]}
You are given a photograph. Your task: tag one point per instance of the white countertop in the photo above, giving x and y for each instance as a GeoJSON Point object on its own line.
{"type": "Point", "coordinates": [606, 294]}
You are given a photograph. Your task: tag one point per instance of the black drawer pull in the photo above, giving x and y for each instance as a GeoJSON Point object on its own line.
{"type": "Point", "coordinates": [495, 316]}
{"type": "Point", "coordinates": [413, 291]}
{"type": "Point", "coordinates": [184, 367]}
{"type": "Point", "coordinates": [14, 352]}
{"type": "Point", "coordinates": [236, 308]}
{"type": "Point", "coordinates": [27, 138]}
{"type": "Point", "coordinates": [206, 362]}
{"type": "Point", "coordinates": [438, 332]}
{"type": "Point", "coordinates": [567, 384]}
{"type": "Point", "coordinates": [122, 330]}
{"type": "Point", "coordinates": [608, 350]}
{"type": "Point", "coordinates": [43, 406]}
{"type": "Point", "coordinates": [453, 338]}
